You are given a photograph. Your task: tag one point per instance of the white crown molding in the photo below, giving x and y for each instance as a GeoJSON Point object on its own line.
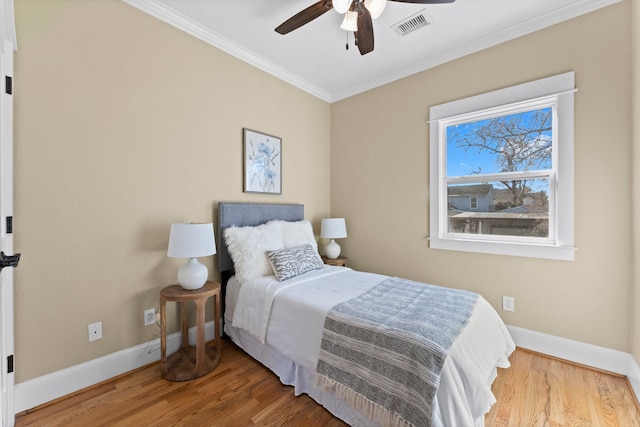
{"type": "Point", "coordinates": [193, 28]}
{"type": "Point", "coordinates": [453, 52]}
{"type": "Point", "coordinates": [503, 35]}
{"type": "Point", "coordinates": [46, 388]}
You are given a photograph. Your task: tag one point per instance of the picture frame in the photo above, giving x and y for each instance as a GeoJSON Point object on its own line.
{"type": "Point", "coordinates": [262, 162]}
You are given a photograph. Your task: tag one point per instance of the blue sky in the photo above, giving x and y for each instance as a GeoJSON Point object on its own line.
{"type": "Point", "coordinates": [464, 163]}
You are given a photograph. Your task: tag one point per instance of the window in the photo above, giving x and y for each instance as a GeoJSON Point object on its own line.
{"type": "Point", "coordinates": [474, 202]}
{"type": "Point", "coordinates": [502, 171]}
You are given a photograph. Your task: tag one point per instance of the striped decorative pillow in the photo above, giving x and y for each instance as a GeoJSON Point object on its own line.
{"type": "Point", "coordinates": [292, 262]}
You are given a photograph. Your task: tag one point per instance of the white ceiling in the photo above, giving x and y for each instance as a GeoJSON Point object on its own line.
{"type": "Point", "coordinates": [314, 57]}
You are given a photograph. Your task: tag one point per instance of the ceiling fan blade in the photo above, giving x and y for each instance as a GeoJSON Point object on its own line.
{"type": "Point", "coordinates": [364, 35]}
{"type": "Point", "coordinates": [425, 1]}
{"type": "Point", "coordinates": [305, 16]}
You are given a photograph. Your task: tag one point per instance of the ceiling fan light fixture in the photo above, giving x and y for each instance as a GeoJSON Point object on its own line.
{"type": "Point", "coordinates": [375, 7]}
{"type": "Point", "coordinates": [350, 22]}
{"type": "Point", "coordinates": [341, 6]}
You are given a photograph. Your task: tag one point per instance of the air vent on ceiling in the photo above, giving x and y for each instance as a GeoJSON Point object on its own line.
{"type": "Point", "coordinates": [413, 23]}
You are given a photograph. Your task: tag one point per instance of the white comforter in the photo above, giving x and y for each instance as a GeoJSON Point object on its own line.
{"type": "Point", "coordinates": [289, 316]}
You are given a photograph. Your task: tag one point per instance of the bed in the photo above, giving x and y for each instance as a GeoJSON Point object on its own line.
{"type": "Point", "coordinates": [280, 306]}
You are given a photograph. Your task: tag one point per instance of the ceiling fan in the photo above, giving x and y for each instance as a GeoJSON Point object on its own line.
{"type": "Point", "coordinates": [358, 17]}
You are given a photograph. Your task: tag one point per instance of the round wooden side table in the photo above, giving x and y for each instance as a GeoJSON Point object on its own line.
{"type": "Point", "coordinates": [341, 261]}
{"type": "Point", "coordinates": [190, 362]}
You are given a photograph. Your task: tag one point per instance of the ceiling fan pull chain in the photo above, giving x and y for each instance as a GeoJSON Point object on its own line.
{"type": "Point", "coordinates": [347, 45]}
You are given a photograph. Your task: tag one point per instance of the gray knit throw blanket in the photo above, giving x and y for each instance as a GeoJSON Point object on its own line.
{"type": "Point", "coordinates": [382, 352]}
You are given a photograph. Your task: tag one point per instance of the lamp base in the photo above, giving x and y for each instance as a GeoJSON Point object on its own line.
{"type": "Point", "coordinates": [332, 250]}
{"type": "Point", "coordinates": [192, 275]}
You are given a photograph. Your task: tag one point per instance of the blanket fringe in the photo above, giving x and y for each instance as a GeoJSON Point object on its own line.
{"type": "Point", "coordinates": [368, 408]}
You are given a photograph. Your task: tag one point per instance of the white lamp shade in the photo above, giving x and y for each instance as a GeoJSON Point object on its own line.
{"type": "Point", "coordinates": [341, 6]}
{"type": "Point", "coordinates": [350, 22]}
{"type": "Point", "coordinates": [375, 7]}
{"type": "Point", "coordinates": [191, 240]}
{"type": "Point", "coordinates": [333, 228]}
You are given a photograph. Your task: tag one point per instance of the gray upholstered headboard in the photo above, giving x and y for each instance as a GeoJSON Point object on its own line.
{"type": "Point", "coordinates": [250, 214]}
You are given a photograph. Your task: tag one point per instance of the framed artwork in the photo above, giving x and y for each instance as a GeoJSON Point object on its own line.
{"type": "Point", "coordinates": [262, 162]}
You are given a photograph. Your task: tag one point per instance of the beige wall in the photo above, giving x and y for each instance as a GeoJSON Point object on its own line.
{"type": "Point", "coordinates": [635, 67]}
{"type": "Point", "coordinates": [380, 180]}
{"type": "Point", "coordinates": [124, 125]}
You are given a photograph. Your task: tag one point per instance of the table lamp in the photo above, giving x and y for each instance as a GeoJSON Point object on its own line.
{"type": "Point", "coordinates": [191, 241]}
{"type": "Point", "coordinates": [333, 228]}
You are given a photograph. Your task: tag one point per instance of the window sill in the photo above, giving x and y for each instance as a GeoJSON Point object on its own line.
{"type": "Point", "coordinates": [554, 252]}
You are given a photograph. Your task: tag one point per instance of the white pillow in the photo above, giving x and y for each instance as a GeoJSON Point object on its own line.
{"type": "Point", "coordinates": [291, 262]}
{"type": "Point", "coordinates": [247, 247]}
{"type": "Point", "coordinates": [296, 233]}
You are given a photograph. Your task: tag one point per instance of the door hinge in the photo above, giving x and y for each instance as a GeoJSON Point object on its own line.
{"type": "Point", "coordinates": [9, 225]}
{"type": "Point", "coordinates": [8, 85]}
{"type": "Point", "coordinates": [10, 364]}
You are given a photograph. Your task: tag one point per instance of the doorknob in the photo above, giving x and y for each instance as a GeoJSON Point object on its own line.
{"type": "Point", "coordinates": [9, 260]}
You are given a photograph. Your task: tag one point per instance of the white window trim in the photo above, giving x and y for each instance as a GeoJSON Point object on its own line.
{"type": "Point", "coordinates": [561, 245]}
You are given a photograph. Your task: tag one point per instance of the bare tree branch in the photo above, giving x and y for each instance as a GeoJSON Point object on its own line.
{"type": "Point", "coordinates": [518, 142]}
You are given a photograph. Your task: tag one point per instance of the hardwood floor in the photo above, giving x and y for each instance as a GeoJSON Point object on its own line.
{"type": "Point", "coordinates": [543, 391]}
{"type": "Point", "coordinates": [536, 391]}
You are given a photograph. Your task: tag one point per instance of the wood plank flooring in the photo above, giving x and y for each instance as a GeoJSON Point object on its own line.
{"type": "Point", "coordinates": [543, 391]}
{"type": "Point", "coordinates": [536, 391]}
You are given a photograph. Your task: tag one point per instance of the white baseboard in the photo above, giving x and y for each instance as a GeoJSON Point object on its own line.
{"type": "Point", "coordinates": [46, 388]}
{"type": "Point", "coordinates": [603, 358]}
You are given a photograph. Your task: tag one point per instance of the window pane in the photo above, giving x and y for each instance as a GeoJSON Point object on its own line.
{"type": "Point", "coordinates": [505, 208]}
{"type": "Point", "coordinates": [511, 143]}
{"type": "Point", "coordinates": [518, 141]}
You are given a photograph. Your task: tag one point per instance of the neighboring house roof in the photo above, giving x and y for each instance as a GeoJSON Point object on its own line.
{"type": "Point", "coordinates": [470, 190]}
{"type": "Point", "coordinates": [526, 210]}
{"type": "Point", "coordinates": [500, 215]}
{"type": "Point", "coordinates": [516, 209]}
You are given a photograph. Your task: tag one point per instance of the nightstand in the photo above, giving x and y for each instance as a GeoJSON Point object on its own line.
{"type": "Point", "coordinates": [190, 362]}
{"type": "Point", "coordinates": [341, 261]}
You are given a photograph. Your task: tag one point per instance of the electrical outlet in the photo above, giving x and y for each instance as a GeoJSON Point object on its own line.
{"type": "Point", "coordinates": [95, 331]}
{"type": "Point", "coordinates": [508, 303]}
{"type": "Point", "coordinates": [149, 316]}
